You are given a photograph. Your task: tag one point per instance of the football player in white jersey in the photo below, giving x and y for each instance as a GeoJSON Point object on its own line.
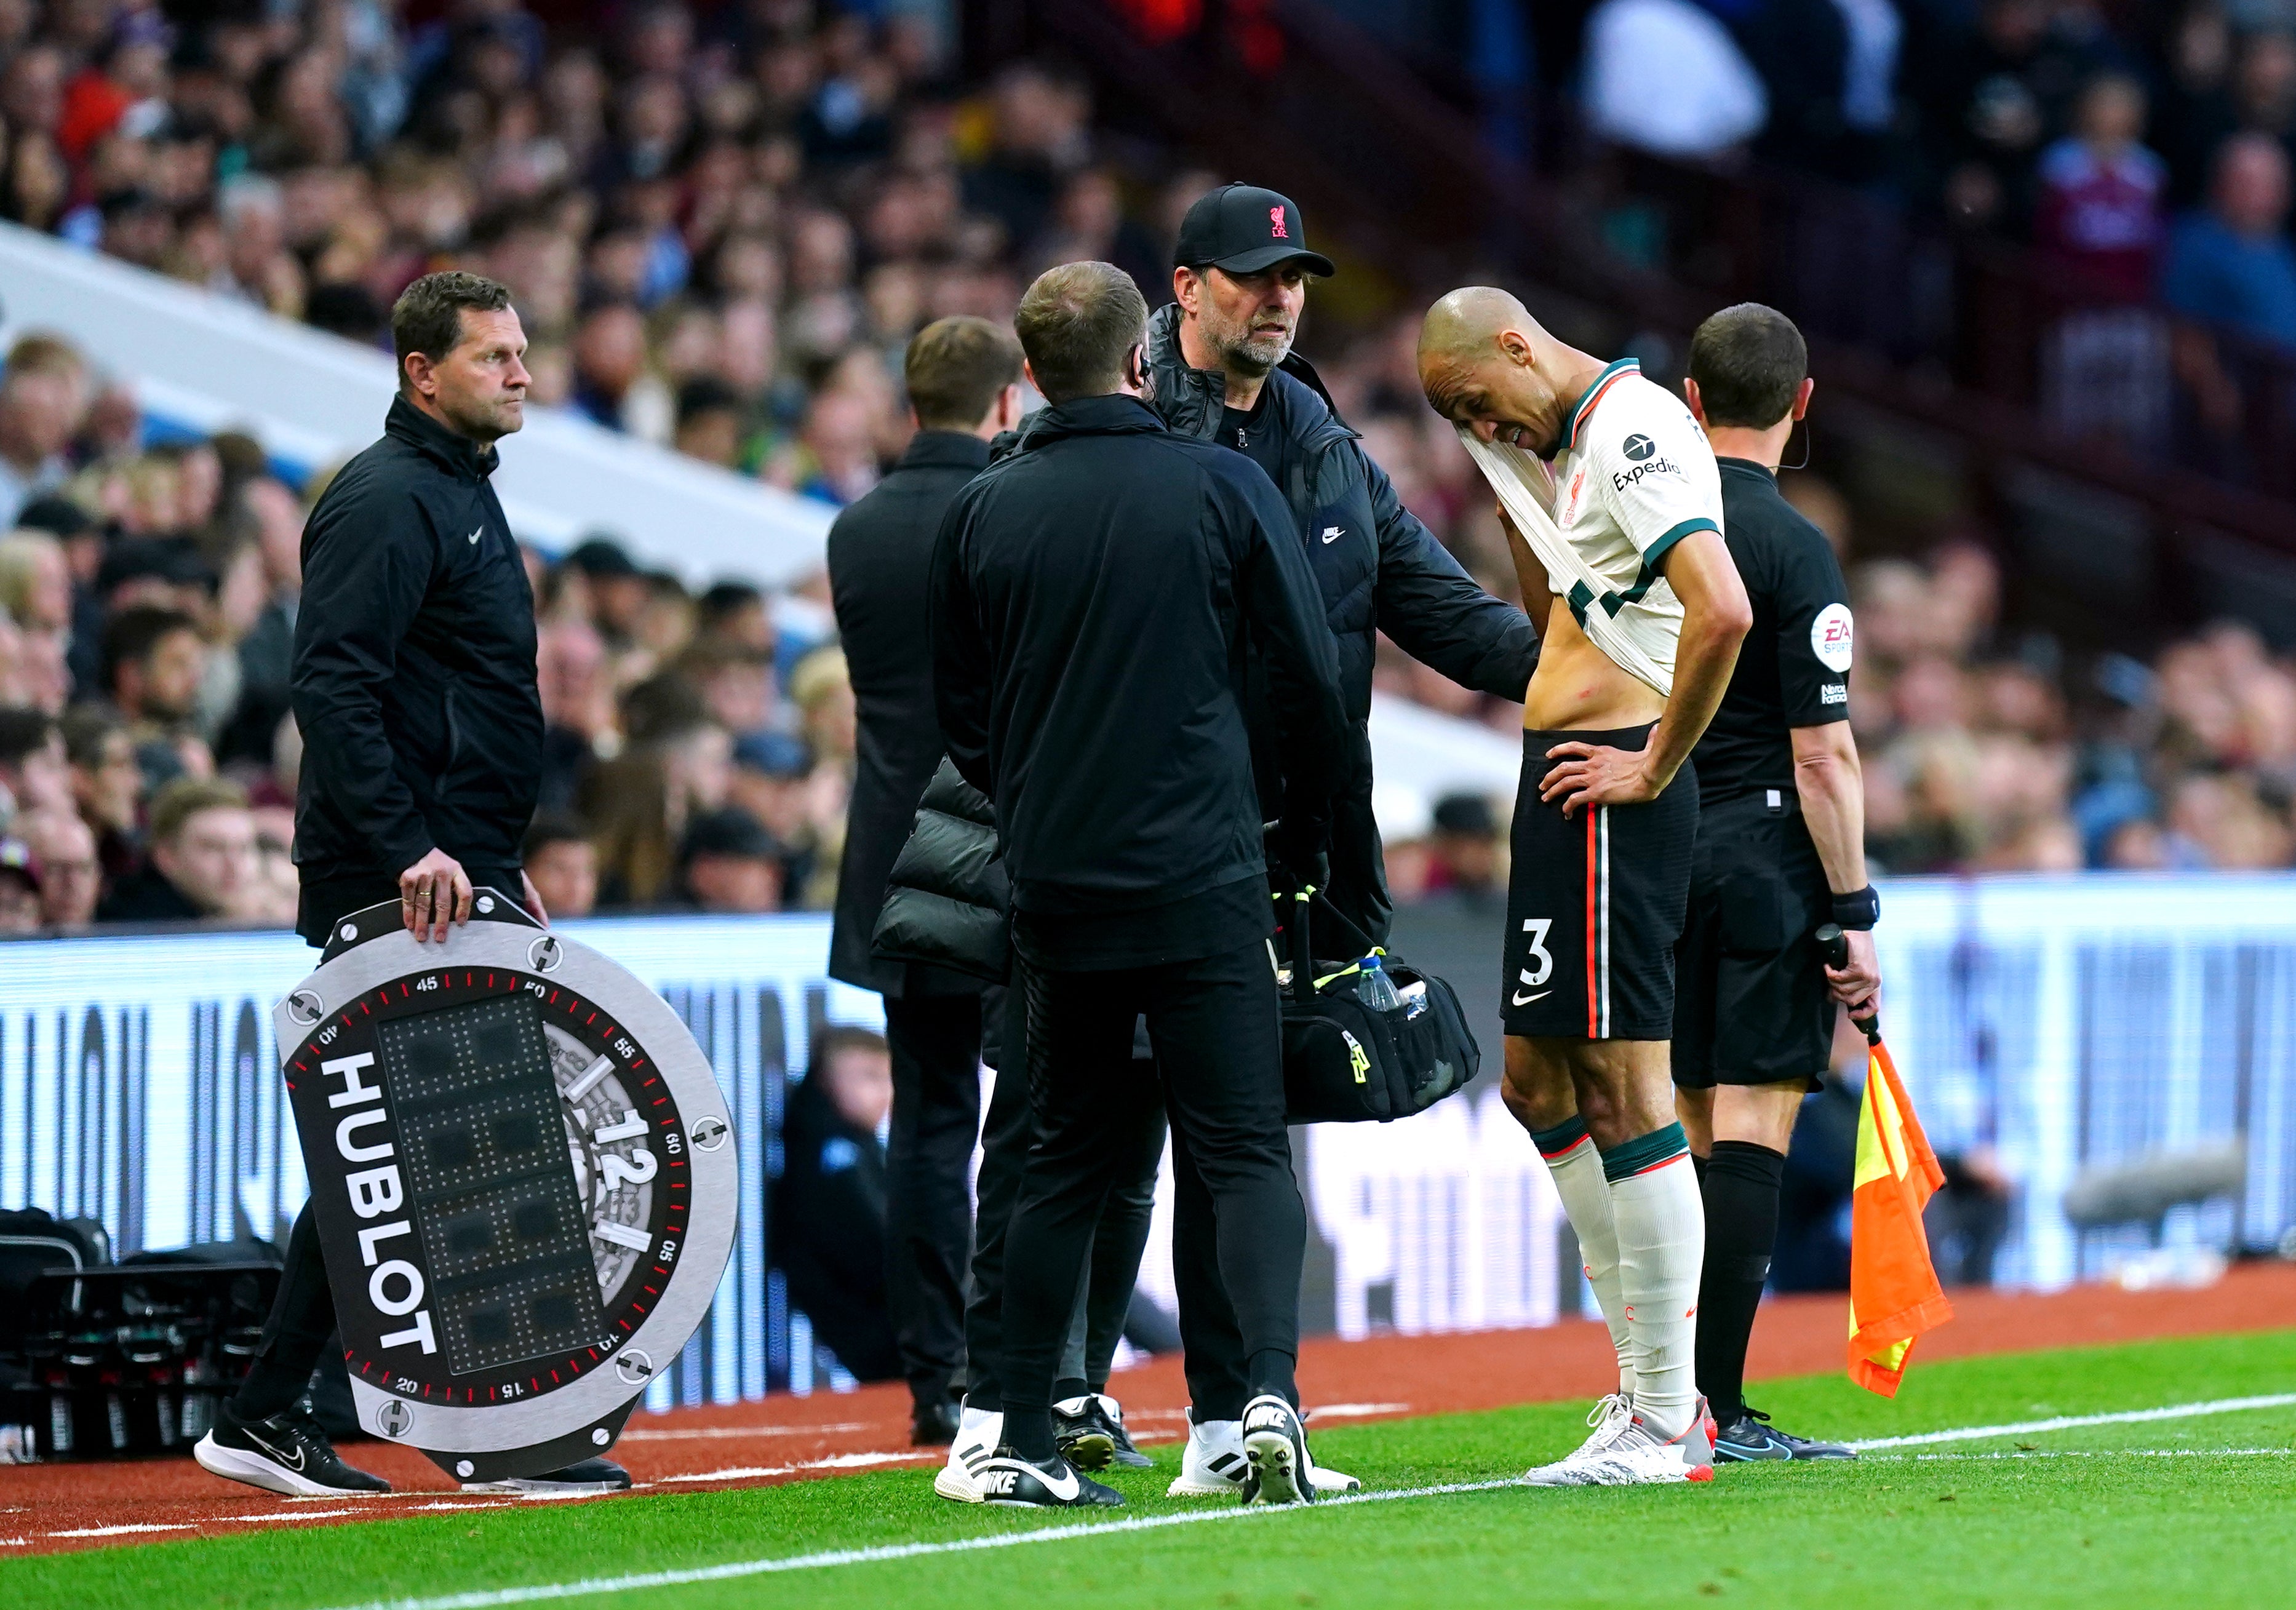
{"type": "Point", "coordinates": [1626, 530]}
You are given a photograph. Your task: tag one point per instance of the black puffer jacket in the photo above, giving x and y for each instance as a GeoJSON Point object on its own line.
{"type": "Point", "coordinates": [945, 898]}
{"type": "Point", "coordinates": [1379, 570]}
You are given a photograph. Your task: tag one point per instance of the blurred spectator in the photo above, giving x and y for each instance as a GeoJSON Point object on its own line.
{"type": "Point", "coordinates": [564, 863]}
{"type": "Point", "coordinates": [43, 397]}
{"type": "Point", "coordinates": [730, 864]}
{"type": "Point", "coordinates": [2098, 217]}
{"type": "Point", "coordinates": [70, 879]}
{"type": "Point", "coordinates": [203, 857]}
{"type": "Point", "coordinates": [35, 774]}
{"type": "Point", "coordinates": [1465, 855]}
{"type": "Point", "coordinates": [1665, 75]}
{"type": "Point", "coordinates": [618, 589]}
{"type": "Point", "coordinates": [152, 662]}
{"type": "Point", "coordinates": [828, 1205]}
{"type": "Point", "coordinates": [19, 889]}
{"type": "Point", "coordinates": [107, 787]}
{"type": "Point", "coordinates": [36, 581]}
{"type": "Point", "coordinates": [2232, 265]}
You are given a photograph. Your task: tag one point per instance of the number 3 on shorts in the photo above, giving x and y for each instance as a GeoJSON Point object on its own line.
{"type": "Point", "coordinates": [1539, 956]}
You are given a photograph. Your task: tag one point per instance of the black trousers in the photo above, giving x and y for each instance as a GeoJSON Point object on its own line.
{"type": "Point", "coordinates": [935, 1041]}
{"type": "Point", "coordinates": [1118, 1239]}
{"type": "Point", "coordinates": [1212, 1349]}
{"type": "Point", "coordinates": [1220, 1064]}
{"type": "Point", "coordinates": [302, 1318]}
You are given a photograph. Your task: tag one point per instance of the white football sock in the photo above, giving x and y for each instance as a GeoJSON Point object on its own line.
{"type": "Point", "coordinates": [1661, 1229]}
{"type": "Point", "coordinates": [1577, 1171]}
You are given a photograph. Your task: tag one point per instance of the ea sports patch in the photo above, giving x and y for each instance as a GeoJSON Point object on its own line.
{"type": "Point", "coordinates": [1831, 636]}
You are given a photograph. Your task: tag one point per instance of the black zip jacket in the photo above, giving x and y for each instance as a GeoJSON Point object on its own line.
{"type": "Point", "coordinates": [1092, 595]}
{"type": "Point", "coordinates": [413, 671]}
{"type": "Point", "coordinates": [1378, 569]}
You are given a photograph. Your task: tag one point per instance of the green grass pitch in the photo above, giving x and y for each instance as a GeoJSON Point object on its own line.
{"type": "Point", "coordinates": [2179, 1513]}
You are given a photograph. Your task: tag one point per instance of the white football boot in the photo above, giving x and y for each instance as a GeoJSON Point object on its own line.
{"type": "Point", "coordinates": [978, 1433]}
{"type": "Point", "coordinates": [1640, 1456]}
{"type": "Point", "coordinates": [1213, 1466]}
{"type": "Point", "coordinates": [1609, 1418]}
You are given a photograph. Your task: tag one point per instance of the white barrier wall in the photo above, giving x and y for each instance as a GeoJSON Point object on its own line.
{"type": "Point", "coordinates": [2059, 1022]}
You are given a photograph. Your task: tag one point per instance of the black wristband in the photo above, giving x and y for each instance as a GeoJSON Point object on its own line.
{"type": "Point", "coordinates": [1862, 909]}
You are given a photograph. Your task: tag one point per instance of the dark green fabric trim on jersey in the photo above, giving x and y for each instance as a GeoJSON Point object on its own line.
{"type": "Point", "coordinates": [1663, 547]}
{"type": "Point", "coordinates": [1609, 372]}
{"type": "Point", "coordinates": [1639, 1156]}
{"type": "Point", "coordinates": [1581, 595]}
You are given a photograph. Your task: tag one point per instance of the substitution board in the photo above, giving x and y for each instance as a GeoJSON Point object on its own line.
{"type": "Point", "coordinates": [523, 1174]}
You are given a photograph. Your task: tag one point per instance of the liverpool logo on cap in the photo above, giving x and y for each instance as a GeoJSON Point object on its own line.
{"type": "Point", "coordinates": [1275, 224]}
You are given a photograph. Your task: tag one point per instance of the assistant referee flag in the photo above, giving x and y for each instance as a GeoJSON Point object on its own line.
{"type": "Point", "coordinates": [1894, 1295]}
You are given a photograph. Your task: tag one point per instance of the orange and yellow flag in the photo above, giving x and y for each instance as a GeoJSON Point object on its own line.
{"type": "Point", "coordinates": [1894, 1295]}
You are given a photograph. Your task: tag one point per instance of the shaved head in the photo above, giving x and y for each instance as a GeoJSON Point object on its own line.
{"type": "Point", "coordinates": [1488, 367]}
{"type": "Point", "coordinates": [1468, 320]}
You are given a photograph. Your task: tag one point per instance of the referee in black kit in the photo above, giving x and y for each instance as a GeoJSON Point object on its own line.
{"type": "Point", "coordinates": [1780, 851]}
{"type": "Point", "coordinates": [1092, 595]}
{"type": "Point", "coordinates": [414, 685]}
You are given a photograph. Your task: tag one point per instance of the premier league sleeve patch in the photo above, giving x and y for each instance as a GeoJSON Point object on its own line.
{"type": "Point", "coordinates": [523, 1174]}
{"type": "Point", "coordinates": [1832, 635]}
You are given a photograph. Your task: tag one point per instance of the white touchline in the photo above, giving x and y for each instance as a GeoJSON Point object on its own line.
{"type": "Point", "coordinates": [2097, 1453]}
{"type": "Point", "coordinates": [2174, 1411]}
{"type": "Point", "coordinates": [690, 1433]}
{"type": "Point", "coordinates": [488, 1599]}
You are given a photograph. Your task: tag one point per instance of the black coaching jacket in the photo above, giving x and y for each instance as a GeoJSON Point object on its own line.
{"type": "Point", "coordinates": [1094, 593]}
{"type": "Point", "coordinates": [880, 563]}
{"type": "Point", "coordinates": [1379, 570]}
{"type": "Point", "coordinates": [413, 670]}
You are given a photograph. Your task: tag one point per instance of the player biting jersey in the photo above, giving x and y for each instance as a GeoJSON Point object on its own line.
{"type": "Point", "coordinates": [1624, 530]}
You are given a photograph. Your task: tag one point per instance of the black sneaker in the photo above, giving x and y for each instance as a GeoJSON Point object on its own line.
{"type": "Point", "coordinates": [1089, 1432]}
{"type": "Point", "coordinates": [287, 1453]}
{"type": "Point", "coordinates": [1008, 1480]}
{"type": "Point", "coordinates": [1275, 1444]}
{"type": "Point", "coordinates": [583, 1479]}
{"type": "Point", "coordinates": [933, 1423]}
{"type": "Point", "coordinates": [1112, 1412]}
{"type": "Point", "coordinates": [1750, 1438]}
{"type": "Point", "coordinates": [1082, 1432]}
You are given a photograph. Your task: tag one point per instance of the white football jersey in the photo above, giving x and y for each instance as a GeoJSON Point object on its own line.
{"type": "Point", "coordinates": [1632, 477]}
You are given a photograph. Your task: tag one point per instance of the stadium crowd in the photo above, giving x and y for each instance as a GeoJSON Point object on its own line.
{"type": "Point", "coordinates": [2141, 151]}
{"type": "Point", "coordinates": [721, 230]}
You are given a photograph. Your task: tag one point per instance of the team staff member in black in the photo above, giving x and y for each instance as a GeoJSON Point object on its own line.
{"type": "Point", "coordinates": [963, 379]}
{"type": "Point", "coordinates": [1780, 851]}
{"type": "Point", "coordinates": [1093, 593]}
{"type": "Point", "coordinates": [413, 686]}
{"type": "Point", "coordinates": [1222, 367]}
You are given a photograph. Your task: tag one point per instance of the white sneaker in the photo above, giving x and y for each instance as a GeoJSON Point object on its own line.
{"type": "Point", "coordinates": [1609, 1417]}
{"type": "Point", "coordinates": [1640, 1456]}
{"type": "Point", "coordinates": [978, 1433]}
{"type": "Point", "coordinates": [1213, 1464]}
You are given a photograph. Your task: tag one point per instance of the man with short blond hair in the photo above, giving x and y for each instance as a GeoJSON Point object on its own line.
{"type": "Point", "coordinates": [203, 856]}
{"type": "Point", "coordinates": [44, 397]}
{"type": "Point", "coordinates": [1093, 595]}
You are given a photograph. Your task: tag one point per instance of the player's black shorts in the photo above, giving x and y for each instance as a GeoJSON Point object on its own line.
{"type": "Point", "coordinates": [1750, 1002]}
{"type": "Point", "coordinates": [1594, 903]}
